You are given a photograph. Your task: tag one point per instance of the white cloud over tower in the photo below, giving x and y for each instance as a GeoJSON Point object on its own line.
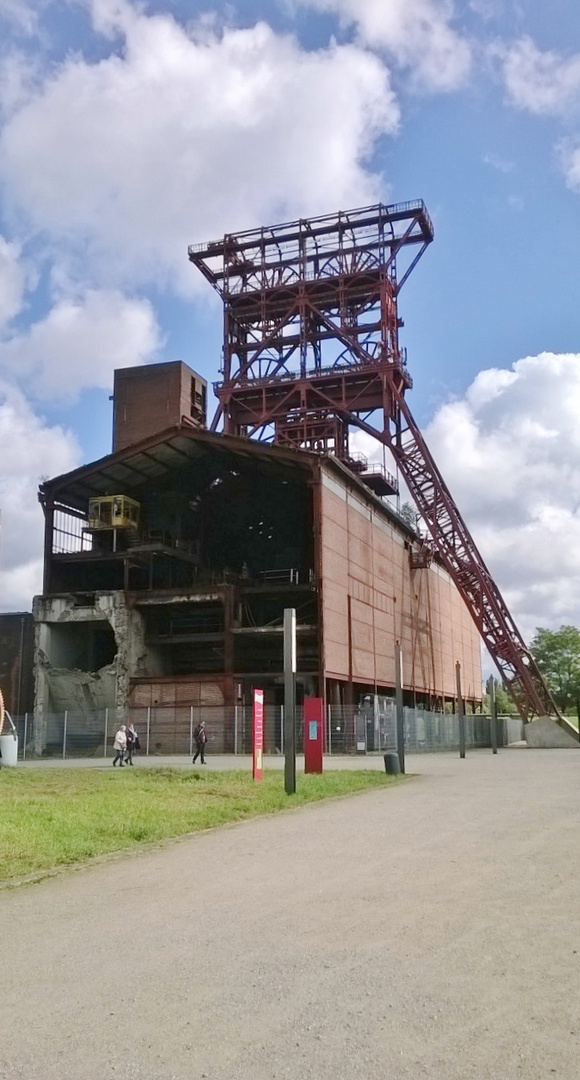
{"type": "Point", "coordinates": [180, 132]}
{"type": "Point", "coordinates": [111, 162]}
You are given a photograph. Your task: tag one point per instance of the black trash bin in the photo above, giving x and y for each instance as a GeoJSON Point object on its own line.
{"type": "Point", "coordinates": [392, 764]}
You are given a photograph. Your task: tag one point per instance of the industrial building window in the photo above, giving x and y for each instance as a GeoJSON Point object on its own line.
{"type": "Point", "coordinates": [82, 646]}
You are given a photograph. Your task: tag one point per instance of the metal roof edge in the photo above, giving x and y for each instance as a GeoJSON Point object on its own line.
{"type": "Point", "coordinates": [301, 458]}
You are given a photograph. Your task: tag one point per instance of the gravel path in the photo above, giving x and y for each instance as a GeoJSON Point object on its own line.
{"type": "Point", "coordinates": [431, 930]}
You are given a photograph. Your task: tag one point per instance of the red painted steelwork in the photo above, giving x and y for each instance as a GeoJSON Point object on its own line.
{"type": "Point", "coordinates": [286, 290]}
{"type": "Point", "coordinates": [311, 347]}
{"type": "Point", "coordinates": [459, 554]}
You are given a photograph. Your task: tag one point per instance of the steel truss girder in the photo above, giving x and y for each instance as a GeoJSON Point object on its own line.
{"type": "Point", "coordinates": [464, 563]}
{"type": "Point", "coordinates": [458, 551]}
{"type": "Point", "coordinates": [293, 286]}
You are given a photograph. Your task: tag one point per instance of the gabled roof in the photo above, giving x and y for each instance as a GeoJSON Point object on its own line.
{"type": "Point", "coordinates": [149, 460]}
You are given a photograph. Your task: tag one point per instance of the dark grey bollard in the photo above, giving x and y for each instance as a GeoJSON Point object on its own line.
{"type": "Point", "coordinates": [392, 766]}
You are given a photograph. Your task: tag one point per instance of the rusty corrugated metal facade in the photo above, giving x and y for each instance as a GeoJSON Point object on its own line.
{"type": "Point", "coordinates": [371, 597]}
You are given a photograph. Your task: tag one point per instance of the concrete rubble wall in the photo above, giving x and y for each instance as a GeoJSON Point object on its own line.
{"type": "Point", "coordinates": [59, 686]}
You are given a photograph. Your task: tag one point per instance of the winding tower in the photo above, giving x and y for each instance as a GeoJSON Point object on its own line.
{"type": "Point", "coordinates": [311, 350]}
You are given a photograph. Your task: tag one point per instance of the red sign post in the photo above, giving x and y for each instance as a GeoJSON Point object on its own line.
{"type": "Point", "coordinates": [313, 734]}
{"type": "Point", "coordinates": [258, 734]}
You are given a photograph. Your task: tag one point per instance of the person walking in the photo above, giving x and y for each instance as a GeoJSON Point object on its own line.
{"type": "Point", "coordinates": [132, 744]}
{"type": "Point", "coordinates": [200, 736]}
{"type": "Point", "coordinates": [120, 745]}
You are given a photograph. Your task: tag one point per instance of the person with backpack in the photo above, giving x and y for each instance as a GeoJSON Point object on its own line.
{"type": "Point", "coordinates": [200, 736]}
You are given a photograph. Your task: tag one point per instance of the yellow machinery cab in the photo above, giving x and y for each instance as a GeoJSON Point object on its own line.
{"type": "Point", "coordinates": [112, 513]}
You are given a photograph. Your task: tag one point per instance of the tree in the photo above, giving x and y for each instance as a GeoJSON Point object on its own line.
{"type": "Point", "coordinates": [409, 515]}
{"type": "Point", "coordinates": [504, 703]}
{"type": "Point", "coordinates": [557, 654]}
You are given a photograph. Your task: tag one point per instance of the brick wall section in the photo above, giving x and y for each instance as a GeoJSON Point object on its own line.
{"type": "Point", "coordinates": [169, 701]}
{"type": "Point", "coordinates": [363, 555]}
{"type": "Point", "coordinates": [149, 399]}
{"type": "Point", "coordinates": [16, 661]}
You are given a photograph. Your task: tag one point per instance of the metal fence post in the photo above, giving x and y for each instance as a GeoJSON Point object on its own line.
{"type": "Point", "coordinates": [235, 729]}
{"type": "Point", "coordinates": [493, 704]}
{"type": "Point", "coordinates": [399, 705]}
{"type": "Point", "coordinates": [329, 722]}
{"type": "Point", "coordinates": [64, 734]}
{"type": "Point", "coordinates": [148, 730]}
{"type": "Point", "coordinates": [106, 732]}
{"type": "Point", "coordinates": [190, 730]}
{"type": "Point", "coordinates": [25, 736]}
{"type": "Point", "coordinates": [460, 711]}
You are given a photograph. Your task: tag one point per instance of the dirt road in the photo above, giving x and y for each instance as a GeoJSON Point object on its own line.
{"type": "Point", "coordinates": [432, 930]}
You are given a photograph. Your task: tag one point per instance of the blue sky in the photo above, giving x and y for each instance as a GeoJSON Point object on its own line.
{"type": "Point", "coordinates": [128, 131]}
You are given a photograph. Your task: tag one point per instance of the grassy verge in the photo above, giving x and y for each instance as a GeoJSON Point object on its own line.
{"type": "Point", "coordinates": [54, 818]}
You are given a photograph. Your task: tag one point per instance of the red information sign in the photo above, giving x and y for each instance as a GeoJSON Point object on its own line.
{"type": "Point", "coordinates": [313, 734]}
{"type": "Point", "coordinates": [258, 734]}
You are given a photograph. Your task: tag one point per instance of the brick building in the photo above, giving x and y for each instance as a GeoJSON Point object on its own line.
{"type": "Point", "coordinates": [168, 565]}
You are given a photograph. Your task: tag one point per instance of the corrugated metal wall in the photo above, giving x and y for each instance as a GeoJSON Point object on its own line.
{"type": "Point", "coordinates": [371, 596]}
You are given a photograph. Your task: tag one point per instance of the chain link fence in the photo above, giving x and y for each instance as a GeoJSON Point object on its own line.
{"type": "Point", "coordinates": [168, 730]}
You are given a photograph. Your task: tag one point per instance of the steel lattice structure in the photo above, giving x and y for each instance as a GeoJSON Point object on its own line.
{"type": "Point", "coordinates": [311, 348]}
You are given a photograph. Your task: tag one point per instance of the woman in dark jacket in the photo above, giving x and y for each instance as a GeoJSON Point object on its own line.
{"type": "Point", "coordinates": [132, 744]}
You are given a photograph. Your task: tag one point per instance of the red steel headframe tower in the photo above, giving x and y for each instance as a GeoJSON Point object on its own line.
{"type": "Point", "coordinates": [311, 349]}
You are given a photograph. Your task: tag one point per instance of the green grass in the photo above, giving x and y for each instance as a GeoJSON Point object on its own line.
{"type": "Point", "coordinates": [59, 817]}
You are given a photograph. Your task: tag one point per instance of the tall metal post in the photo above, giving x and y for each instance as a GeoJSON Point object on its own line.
{"type": "Point", "coordinates": [106, 732]}
{"type": "Point", "coordinates": [493, 707]}
{"type": "Point", "coordinates": [460, 710]}
{"type": "Point", "coordinates": [290, 701]}
{"type": "Point", "coordinates": [64, 727]}
{"type": "Point", "coordinates": [20, 660]}
{"type": "Point", "coordinates": [399, 705]}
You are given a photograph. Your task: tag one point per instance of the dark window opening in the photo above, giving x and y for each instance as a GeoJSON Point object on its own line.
{"type": "Point", "coordinates": [84, 646]}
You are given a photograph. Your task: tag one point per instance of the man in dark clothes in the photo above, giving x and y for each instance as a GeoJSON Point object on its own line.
{"type": "Point", "coordinates": [200, 736]}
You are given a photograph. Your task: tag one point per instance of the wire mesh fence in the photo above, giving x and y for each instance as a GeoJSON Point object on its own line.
{"type": "Point", "coordinates": [170, 730]}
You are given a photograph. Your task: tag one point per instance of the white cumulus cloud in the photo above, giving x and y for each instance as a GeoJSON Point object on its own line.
{"type": "Point", "coordinates": [20, 14]}
{"type": "Point", "coordinates": [542, 82]}
{"type": "Point", "coordinates": [510, 454]}
{"type": "Point", "coordinates": [13, 279]}
{"type": "Point", "coordinates": [79, 344]}
{"type": "Point", "coordinates": [416, 34]}
{"type": "Point", "coordinates": [30, 450]}
{"type": "Point", "coordinates": [509, 451]}
{"type": "Point", "coordinates": [546, 83]}
{"type": "Point", "coordinates": [178, 135]}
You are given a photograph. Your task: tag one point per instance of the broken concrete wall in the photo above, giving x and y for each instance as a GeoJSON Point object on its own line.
{"type": "Point", "coordinates": [87, 649]}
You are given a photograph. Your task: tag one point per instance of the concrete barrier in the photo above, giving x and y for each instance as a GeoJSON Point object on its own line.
{"type": "Point", "coordinates": [546, 734]}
